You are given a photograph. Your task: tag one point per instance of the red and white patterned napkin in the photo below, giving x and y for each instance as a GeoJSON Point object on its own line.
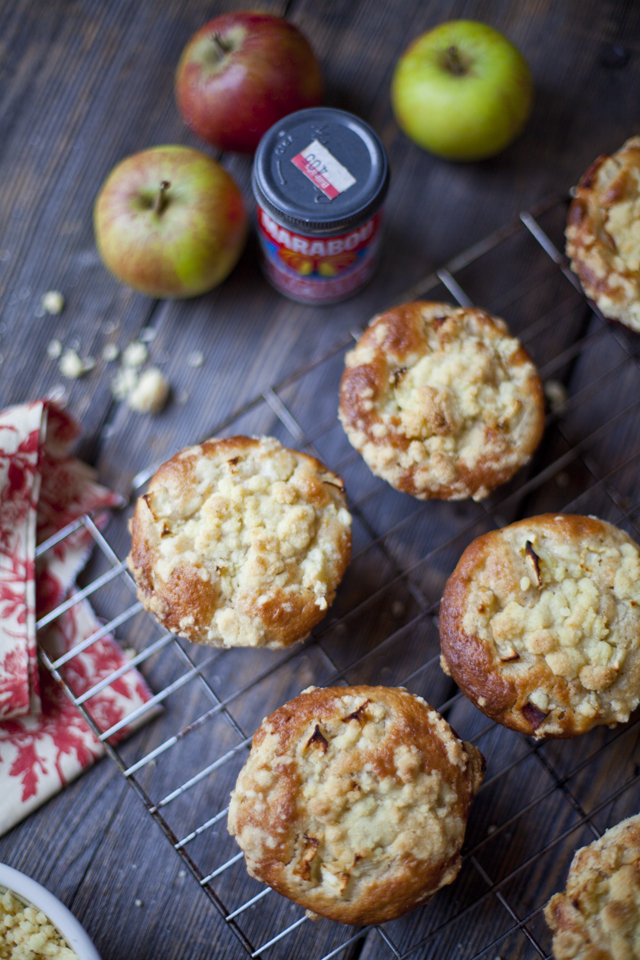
{"type": "Point", "coordinates": [21, 436]}
{"type": "Point", "coordinates": [44, 741]}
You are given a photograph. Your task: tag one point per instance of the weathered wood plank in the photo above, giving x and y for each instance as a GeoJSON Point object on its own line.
{"type": "Point", "coordinates": [92, 84]}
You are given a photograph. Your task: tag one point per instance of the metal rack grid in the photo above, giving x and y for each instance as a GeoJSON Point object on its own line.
{"type": "Point", "coordinates": [539, 800]}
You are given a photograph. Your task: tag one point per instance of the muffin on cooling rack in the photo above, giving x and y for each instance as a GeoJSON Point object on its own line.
{"type": "Point", "coordinates": [598, 916]}
{"type": "Point", "coordinates": [603, 234]}
{"type": "Point", "coordinates": [441, 401]}
{"type": "Point", "coordinates": [240, 542]}
{"type": "Point", "coordinates": [540, 625]}
{"type": "Point", "coordinates": [354, 802]}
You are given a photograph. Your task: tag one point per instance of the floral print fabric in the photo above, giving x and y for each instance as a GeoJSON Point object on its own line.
{"type": "Point", "coordinates": [44, 740]}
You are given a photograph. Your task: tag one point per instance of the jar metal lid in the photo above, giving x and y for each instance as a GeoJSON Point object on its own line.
{"type": "Point", "coordinates": [284, 190]}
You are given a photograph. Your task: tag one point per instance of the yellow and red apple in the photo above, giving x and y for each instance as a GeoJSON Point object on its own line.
{"type": "Point", "coordinates": [170, 222]}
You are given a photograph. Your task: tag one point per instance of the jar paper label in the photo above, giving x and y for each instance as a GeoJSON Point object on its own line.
{"type": "Point", "coordinates": [322, 168]}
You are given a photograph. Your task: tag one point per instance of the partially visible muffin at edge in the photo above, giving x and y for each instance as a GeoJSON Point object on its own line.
{"type": "Point", "coordinates": [354, 802]}
{"type": "Point", "coordinates": [540, 625]}
{"type": "Point", "coordinates": [598, 916]}
{"type": "Point", "coordinates": [603, 234]}
{"type": "Point", "coordinates": [240, 542]}
{"type": "Point", "coordinates": [441, 401]}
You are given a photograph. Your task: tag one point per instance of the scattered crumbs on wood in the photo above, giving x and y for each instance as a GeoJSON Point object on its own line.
{"type": "Point", "coordinates": [147, 334]}
{"type": "Point", "coordinates": [124, 382]}
{"type": "Point", "coordinates": [150, 392]}
{"type": "Point", "coordinates": [195, 359]}
{"type": "Point", "coordinates": [556, 394]}
{"type": "Point", "coordinates": [110, 352]}
{"type": "Point", "coordinates": [54, 349]}
{"type": "Point", "coordinates": [135, 354]}
{"type": "Point", "coordinates": [144, 392]}
{"type": "Point", "coordinates": [52, 302]}
{"type": "Point", "coordinates": [73, 366]}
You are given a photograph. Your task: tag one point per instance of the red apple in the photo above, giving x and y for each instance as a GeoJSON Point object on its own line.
{"type": "Point", "coordinates": [240, 74]}
{"type": "Point", "coordinates": [170, 222]}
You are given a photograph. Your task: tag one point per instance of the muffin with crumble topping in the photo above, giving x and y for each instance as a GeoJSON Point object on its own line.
{"type": "Point", "coordinates": [354, 802]}
{"type": "Point", "coordinates": [441, 401]}
{"type": "Point", "coordinates": [240, 542]}
{"type": "Point", "coordinates": [540, 625]}
{"type": "Point", "coordinates": [597, 917]}
{"type": "Point", "coordinates": [603, 234]}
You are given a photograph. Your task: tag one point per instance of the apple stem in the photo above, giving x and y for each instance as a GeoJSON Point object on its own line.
{"type": "Point", "coordinates": [454, 63]}
{"type": "Point", "coordinates": [221, 47]}
{"type": "Point", "coordinates": [160, 201]}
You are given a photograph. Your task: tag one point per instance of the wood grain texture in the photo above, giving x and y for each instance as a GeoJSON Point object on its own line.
{"type": "Point", "coordinates": [82, 84]}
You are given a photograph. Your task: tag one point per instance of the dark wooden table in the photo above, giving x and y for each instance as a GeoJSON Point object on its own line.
{"type": "Point", "coordinates": [84, 83]}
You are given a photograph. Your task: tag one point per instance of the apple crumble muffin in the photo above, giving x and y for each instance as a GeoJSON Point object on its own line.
{"type": "Point", "coordinates": [354, 802]}
{"type": "Point", "coordinates": [441, 401]}
{"type": "Point", "coordinates": [240, 542]}
{"type": "Point", "coordinates": [598, 916]}
{"type": "Point", "coordinates": [603, 234]}
{"type": "Point", "coordinates": [540, 625]}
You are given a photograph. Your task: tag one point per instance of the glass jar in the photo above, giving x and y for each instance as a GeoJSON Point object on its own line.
{"type": "Point", "coordinates": [320, 177]}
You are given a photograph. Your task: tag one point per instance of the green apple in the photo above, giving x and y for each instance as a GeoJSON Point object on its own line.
{"type": "Point", "coordinates": [170, 222]}
{"type": "Point", "coordinates": [462, 91]}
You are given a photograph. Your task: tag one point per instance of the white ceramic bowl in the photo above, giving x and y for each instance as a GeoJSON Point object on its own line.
{"type": "Point", "coordinates": [34, 894]}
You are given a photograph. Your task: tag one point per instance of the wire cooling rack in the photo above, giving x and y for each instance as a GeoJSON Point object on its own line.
{"type": "Point", "coordinates": [540, 800]}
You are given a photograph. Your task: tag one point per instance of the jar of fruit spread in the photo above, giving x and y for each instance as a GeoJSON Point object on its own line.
{"type": "Point", "coordinates": [320, 178]}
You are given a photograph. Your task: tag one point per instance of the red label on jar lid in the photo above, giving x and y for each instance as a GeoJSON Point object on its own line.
{"type": "Point", "coordinates": [321, 167]}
